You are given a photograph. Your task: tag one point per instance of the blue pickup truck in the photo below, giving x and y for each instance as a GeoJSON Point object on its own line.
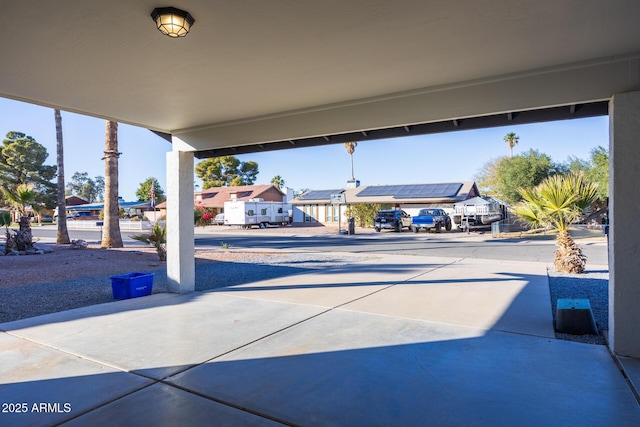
{"type": "Point", "coordinates": [431, 218]}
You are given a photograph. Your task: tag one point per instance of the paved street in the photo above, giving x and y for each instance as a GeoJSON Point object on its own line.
{"type": "Point", "coordinates": [320, 239]}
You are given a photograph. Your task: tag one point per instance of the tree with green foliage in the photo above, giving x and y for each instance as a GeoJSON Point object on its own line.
{"type": "Point", "coordinates": [143, 193]}
{"type": "Point", "coordinates": [595, 170]}
{"type": "Point", "coordinates": [363, 213]}
{"type": "Point", "coordinates": [248, 172]}
{"type": "Point", "coordinates": [22, 162]}
{"type": "Point", "coordinates": [598, 171]}
{"type": "Point", "coordinates": [556, 203]}
{"type": "Point", "coordinates": [91, 190]}
{"type": "Point", "coordinates": [523, 171]}
{"type": "Point", "coordinates": [487, 177]}
{"type": "Point", "coordinates": [226, 171]}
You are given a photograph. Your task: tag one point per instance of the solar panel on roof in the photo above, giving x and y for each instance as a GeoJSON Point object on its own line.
{"type": "Point", "coordinates": [412, 191]}
{"type": "Point", "coordinates": [378, 190]}
{"type": "Point", "coordinates": [320, 194]}
{"type": "Point", "coordinates": [432, 191]}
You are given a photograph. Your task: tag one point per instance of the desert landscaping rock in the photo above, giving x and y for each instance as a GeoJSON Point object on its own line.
{"type": "Point", "coordinates": [66, 278]}
{"type": "Point", "coordinates": [591, 285]}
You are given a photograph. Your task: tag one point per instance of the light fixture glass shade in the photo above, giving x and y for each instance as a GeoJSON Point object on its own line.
{"type": "Point", "coordinates": [172, 22]}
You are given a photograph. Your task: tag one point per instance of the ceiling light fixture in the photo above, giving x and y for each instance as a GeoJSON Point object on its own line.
{"type": "Point", "coordinates": [172, 22]}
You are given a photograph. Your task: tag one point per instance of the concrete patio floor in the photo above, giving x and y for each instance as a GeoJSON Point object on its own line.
{"type": "Point", "coordinates": [390, 341]}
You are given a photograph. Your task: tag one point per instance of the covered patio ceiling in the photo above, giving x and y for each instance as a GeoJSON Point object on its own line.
{"type": "Point", "coordinates": [254, 75]}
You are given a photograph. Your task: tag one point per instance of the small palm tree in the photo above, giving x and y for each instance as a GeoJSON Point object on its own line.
{"type": "Point", "coordinates": [351, 147]}
{"type": "Point", "coordinates": [157, 238]}
{"type": "Point", "coordinates": [23, 196]}
{"type": "Point", "coordinates": [511, 139]}
{"type": "Point", "coordinates": [278, 181]}
{"type": "Point", "coordinates": [557, 202]}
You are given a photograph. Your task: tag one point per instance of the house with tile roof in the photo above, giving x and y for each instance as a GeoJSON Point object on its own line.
{"type": "Point", "coordinates": [316, 206]}
{"type": "Point", "coordinates": [213, 198]}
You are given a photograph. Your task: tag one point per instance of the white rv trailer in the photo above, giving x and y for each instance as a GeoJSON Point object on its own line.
{"type": "Point", "coordinates": [256, 212]}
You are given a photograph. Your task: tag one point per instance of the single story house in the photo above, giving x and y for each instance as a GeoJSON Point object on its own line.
{"type": "Point", "coordinates": [213, 198]}
{"type": "Point", "coordinates": [132, 209]}
{"type": "Point", "coordinates": [316, 205]}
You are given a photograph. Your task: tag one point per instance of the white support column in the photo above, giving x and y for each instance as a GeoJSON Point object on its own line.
{"type": "Point", "coordinates": [180, 234]}
{"type": "Point", "coordinates": [624, 234]}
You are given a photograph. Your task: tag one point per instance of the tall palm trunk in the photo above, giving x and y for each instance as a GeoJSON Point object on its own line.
{"type": "Point", "coordinates": [351, 147]}
{"type": "Point", "coordinates": [63, 234]}
{"type": "Point", "coordinates": [568, 257]}
{"type": "Point", "coordinates": [111, 237]}
{"type": "Point", "coordinates": [353, 177]}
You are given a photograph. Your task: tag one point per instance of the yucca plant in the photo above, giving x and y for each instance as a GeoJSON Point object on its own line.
{"type": "Point", "coordinates": [157, 238]}
{"type": "Point", "coordinates": [556, 203]}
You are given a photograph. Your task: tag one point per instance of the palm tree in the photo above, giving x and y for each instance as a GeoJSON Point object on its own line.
{"type": "Point", "coordinates": [63, 234]}
{"type": "Point", "coordinates": [278, 181]}
{"type": "Point", "coordinates": [351, 147]}
{"type": "Point", "coordinates": [23, 196]}
{"type": "Point", "coordinates": [157, 238]}
{"type": "Point", "coordinates": [111, 237]}
{"type": "Point", "coordinates": [511, 139]}
{"type": "Point", "coordinates": [556, 203]}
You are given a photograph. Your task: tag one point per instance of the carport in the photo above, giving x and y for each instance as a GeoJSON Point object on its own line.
{"type": "Point", "coordinates": [253, 76]}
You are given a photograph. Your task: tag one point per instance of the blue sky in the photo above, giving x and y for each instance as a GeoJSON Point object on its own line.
{"type": "Point", "coordinates": [446, 157]}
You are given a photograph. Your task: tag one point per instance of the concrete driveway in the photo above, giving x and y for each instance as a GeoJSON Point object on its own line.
{"type": "Point", "coordinates": [389, 341]}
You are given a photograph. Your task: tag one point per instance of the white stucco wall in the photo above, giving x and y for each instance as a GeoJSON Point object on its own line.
{"type": "Point", "coordinates": [624, 234]}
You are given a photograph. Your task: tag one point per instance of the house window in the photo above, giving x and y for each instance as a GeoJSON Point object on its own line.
{"type": "Point", "coordinates": [310, 212]}
{"type": "Point", "coordinates": [332, 213]}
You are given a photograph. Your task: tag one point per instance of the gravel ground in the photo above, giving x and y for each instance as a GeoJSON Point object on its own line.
{"type": "Point", "coordinates": [21, 302]}
{"type": "Point", "coordinates": [592, 285]}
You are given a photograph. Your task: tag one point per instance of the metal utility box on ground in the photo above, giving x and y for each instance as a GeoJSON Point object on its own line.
{"type": "Point", "coordinates": [574, 316]}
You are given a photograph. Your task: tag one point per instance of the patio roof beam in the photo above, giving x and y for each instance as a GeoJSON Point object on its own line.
{"type": "Point", "coordinates": [593, 109]}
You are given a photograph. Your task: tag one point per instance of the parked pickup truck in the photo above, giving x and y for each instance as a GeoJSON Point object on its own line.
{"type": "Point", "coordinates": [395, 219]}
{"type": "Point", "coordinates": [431, 218]}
